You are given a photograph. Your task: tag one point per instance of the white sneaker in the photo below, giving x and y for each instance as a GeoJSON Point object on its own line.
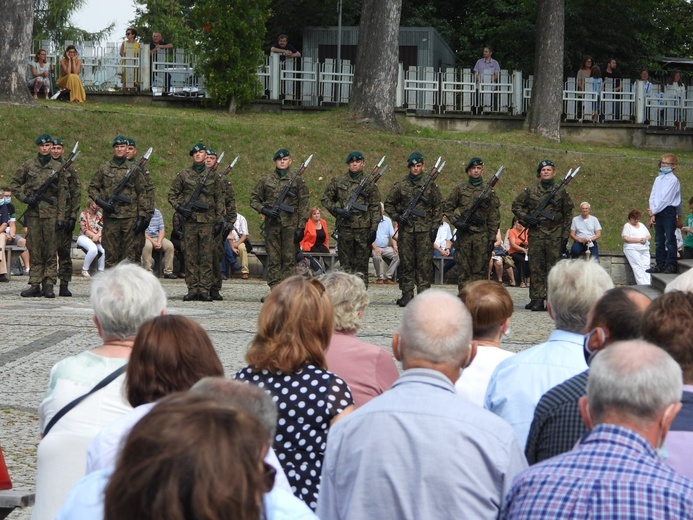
{"type": "Point", "coordinates": [86, 274]}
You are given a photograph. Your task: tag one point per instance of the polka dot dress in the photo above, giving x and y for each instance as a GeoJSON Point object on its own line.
{"type": "Point", "coordinates": [307, 401]}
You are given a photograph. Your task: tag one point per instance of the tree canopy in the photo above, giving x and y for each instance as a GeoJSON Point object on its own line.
{"type": "Point", "coordinates": [52, 21]}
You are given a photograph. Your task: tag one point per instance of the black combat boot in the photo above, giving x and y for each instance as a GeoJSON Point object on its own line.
{"type": "Point", "coordinates": [190, 297]}
{"type": "Point", "coordinates": [537, 305]}
{"type": "Point", "coordinates": [64, 291]}
{"type": "Point", "coordinates": [48, 290]}
{"type": "Point", "coordinates": [214, 293]}
{"type": "Point", "coordinates": [206, 297]}
{"type": "Point", "coordinates": [32, 292]}
{"type": "Point", "coordinates": [404, 300]}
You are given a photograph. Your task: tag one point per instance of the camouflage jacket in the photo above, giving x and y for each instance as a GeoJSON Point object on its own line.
{"type": "Point", "coordinates": [150, 194]}
{"type": "Point", "coordinates": [106, 180]}
{"type": "Point", "coordinates": [403, 191]}
{"type": "Point", "coordinates": [561, 207]}
{"type": "Point", "coordinates": [74, 194]}
{"type": "Point", "coordinates": [337, 194]}
{"type": "Point", "coordinates": [487, 216]}
{"type": "Point", "coordinates": [185, 184]}
{"type": "Point", "coordinates": [30, 177]}
{"type": "Point", "coordinates": [268, 189]}
{"type": "Point", "coordinates": [229, 200]}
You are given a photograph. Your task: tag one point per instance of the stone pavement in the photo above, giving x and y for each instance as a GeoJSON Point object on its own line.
{"type": "Point", "coordinates": [39, 332]}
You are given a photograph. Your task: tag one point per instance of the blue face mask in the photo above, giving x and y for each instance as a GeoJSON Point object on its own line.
{"type": "Point", "coordinates": [664, 171]}
{"type": "Point", "coordinates": [2, 201]}
{"type": "Point", "coordinates": [8, 200]}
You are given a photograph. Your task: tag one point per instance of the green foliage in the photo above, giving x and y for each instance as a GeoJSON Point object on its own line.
{"type": "Point", "coordinates": [52, 22]}
{"type": "Point", "coordinates": [171, 18]}
{"type": "Point", "coordinates": [228, 43]}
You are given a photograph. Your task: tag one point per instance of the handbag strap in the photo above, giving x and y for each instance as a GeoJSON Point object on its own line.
{"type": "Point", "coordinates": [69, 406]}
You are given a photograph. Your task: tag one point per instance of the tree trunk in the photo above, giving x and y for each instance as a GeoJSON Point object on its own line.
{"type": "Point", "coordinates": [377, 58]}
{"type": "Point", "coordinates": [15, 48]}
{"type": "Point", "coordinates": [546, 104]}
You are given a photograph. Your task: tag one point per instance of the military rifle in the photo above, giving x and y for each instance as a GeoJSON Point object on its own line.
{"type": "Point", "coordinates": [279, 203]}
{"type": "Point", "coordinates": [109, 205]}
{"type": "Point", "coordinates": [412, 213]}
{"type": "Point", "coordinates": [540, 209]}
{"type": "Point", "coordinates": [193, 204]}
{"type": "Point", "coordinates": [470, 217]}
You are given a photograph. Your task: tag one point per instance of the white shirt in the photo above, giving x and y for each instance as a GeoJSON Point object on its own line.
{"type": "Point", "coordinates": [384, 232]}
{"type": "Point", "coordinates": [639, 231]}
{"type": "Point", "coordinates": [585, 227]}
{"type": "Point", "coordinates": [444, 234]}
{"type": "Point", "coordinates": [474, 379]}
{"type": "Point", "coordinates": [666, 191]}
{"type": "Point", "coordinates": [240, 227]}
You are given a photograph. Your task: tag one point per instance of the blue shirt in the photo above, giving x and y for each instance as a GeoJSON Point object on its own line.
{"type": "Point", "coordinates": [613, 474]}
{"type": "Point", "coordinates": [666, 191]}
{"type": "Point", "coordinates": [418, 451]}
{"type": "Point", "coordinates": [155, 225]}
{"type": "Point", "coordinates": [384, 232]}
{"type": "Point", "coordinates": [518, 382]}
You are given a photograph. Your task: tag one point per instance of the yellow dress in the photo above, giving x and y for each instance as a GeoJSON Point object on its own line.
{"type": "Point", "coordinates": [130, 76]}
{"type": "Point", "coordinates": [73, 83]}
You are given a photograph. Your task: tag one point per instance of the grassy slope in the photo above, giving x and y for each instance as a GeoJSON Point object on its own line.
{"type": "Point", "coordinates": [613, 180]}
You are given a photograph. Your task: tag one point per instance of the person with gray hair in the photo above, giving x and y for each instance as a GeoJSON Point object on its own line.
{"type": "Point", "coordinates": [122, 298]}
{"type": "Point", "coordinates": [368, 369]}
{"type": "Point", "coordinates": [420, 431]}
{"type": "Point", "coordinates": [519, 381]}
{"type": "Point", "coordinates": [633, 395]}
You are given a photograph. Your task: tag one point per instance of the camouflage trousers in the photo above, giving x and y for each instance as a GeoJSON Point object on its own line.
{"type": "Point", "coordinates": [120, 242]}
{"type": "Point", "coordinates": [544, 253]}
{"type": "Point", "coordinates": [219, 253]}
{"type": "Point", "coordinates": [354, 252]}
{"type": "Point", "coordinates": [416, 261]}
{"type": "Point", "coordinates": [42, 243]}
{"type": "Point", "coordinates": [281, 253]}
{"type": "Point", "coordinates": [64, 242]}
{"type": "Point", "coordinates": [199, 244]}
{"type": "Point", "coordinates": [471, 257]}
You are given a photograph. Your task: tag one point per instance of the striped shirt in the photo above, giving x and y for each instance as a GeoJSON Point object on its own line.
{"type": "Point", "coordinates": [156, 224]}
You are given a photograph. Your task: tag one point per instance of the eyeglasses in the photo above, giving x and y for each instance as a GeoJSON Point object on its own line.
{"type": "Point", "coordinates": [268, 476]}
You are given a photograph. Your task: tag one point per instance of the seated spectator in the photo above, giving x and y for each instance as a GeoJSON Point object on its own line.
{"type": "Point", "coordinates": [385, 247]}
{"type": "Point", "coordinates": [519, 381]}
{"type": "Point", "coordinates": [518, 249]}
{"type": "Point", "coordinates": [191, 456]}
{"type": "Point", "coordinates": [122, 298]}
{"type": "Point", "coordinates": [636, 246]}
{"type": "Point", "coordinates": [498, 260]}
{"type": "Point", "coordinates": [585, 230]}
{"type": "Point", "coordinates": [177, 241]}
{"type": "Point", "coordinates": [442, 246]}
{"type": "Point", "coordinates": [668, 323]}
{"type": "Point", "coordinates": [155, 240]}
{"type": "Point", "coordinates": [633, 396]}
{"type": "Point", "coordinates": [491, 306]}
{"type": "Point", "coordinates": [40, 74]}
{"type": "Point", "coordinates": [70, 67]}
{"type": "Point", "coordinates": [419, 451]}
{"type": "Point", "coordinates": [557, 425]}
{"type": "Point", "coordinates": [239, 240]}
{"type": "Point", "coordinates": [286, 358]}
{"type": "Point", "coordinates": [91, 225]}
{"type": "Point", "coordinates": [170, 354]}
{"type": "Point", "coordinates": [284, 48]}
{"type": "Point", "coordinates": [4, 223]}
{"type": "Point", "coordinates": [368, 369]}
{"type": "Point", "coordinates": [316, 236]}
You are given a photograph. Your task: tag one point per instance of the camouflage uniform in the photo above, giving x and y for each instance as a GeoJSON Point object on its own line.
{"type": "Point", "coordinates": [199, 242]}
{"type": "Point", "coordinates": [119, 239]}
{"type": "Point", "coordinates": [545, 239]}
{"type": "Point", "coordinates": [354, 250]}
{"type": "Point", "coordinates": [279, 235]}
{"type": "Point", "coordinates": [472, 246]}
{"type": "Point", "coordinates": [150, 201]}
{"type": "Point", "coordinates": [229, 198]}
{"type": "Point", "coordinates": [415, 244]}
{"type": "Point", "coordinates": [72, 213]}
{"type": "Point", "coordinates": [41, 238]}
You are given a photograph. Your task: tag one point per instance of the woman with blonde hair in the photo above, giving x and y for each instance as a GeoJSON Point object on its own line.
{"type": "Point", "coordinates": [491, 306]}
{"type": "Point", "coordinates": [287, 359]}
{"type": "Point", "coordinates": [40, 71]}
{"type": "Point", "coordinates": [70, 67]}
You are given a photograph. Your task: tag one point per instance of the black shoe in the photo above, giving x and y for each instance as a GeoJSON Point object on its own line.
{"type": "Point", "coordinates": [32, 292]}
{"type": "Point", "coordinates": [64, 291]}
{"type": "Point", "coordinates": [4, 278]}
{"type": "Point", "coordinates": [190, 297]}
{"type": "Point", "coordinates": [214, 294]}
{"type": "Point", "coordinates": [671, 269]}
{"type": "Point", "coordinates": [529, 305]}
{"type": "Point", "coordinates": [655, 269]}
{"type": "Point", "coordinates": [205, 297]}
{"type": "Point", "coordinates": [170, 276]}
{"type": "Point", "coordinates": [48, 290]}
{"type": "Point", "coordinates": [224, 277]}
{"type": "Point", "coordinates": [537, 305]}
{"type": "Point", "coordinates": [404, 300]}
{"type": "Point", "coordinates": [262, 300]}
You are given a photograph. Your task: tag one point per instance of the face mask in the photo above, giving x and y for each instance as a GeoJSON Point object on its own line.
{"type": "Point", "coordinates": [2, 202]}
{"type": "Point", "coordinates": [664, 171]}
{"type": "Point", "coordinates": [8, 200]}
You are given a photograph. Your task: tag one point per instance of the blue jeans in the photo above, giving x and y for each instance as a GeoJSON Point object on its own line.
{"type": "Point", "coordinates": [665, 238]}
{"type": "Point", "coordinates": [448, 265]}
{"type": "Point", "coordinates": [229, 258]}
{"type": "Point", "coordinates": [578, 249]}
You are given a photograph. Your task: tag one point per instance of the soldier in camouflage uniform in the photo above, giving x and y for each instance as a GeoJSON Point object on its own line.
{"type": "Point", "coordinates": [356, 229]}
{"type": "Point", "coordinates": [414, 238]}
{"type": "Point", "coordinates": [229, 198]}
{"type": "Point", "coordinates": [42, 216]}
{"type": "Point", "coordinates": [474, 240]}
{"type": "Point", "coordinates": [203, 224]}
{"type": "Point", "coordinates": [282, 229]}
{"type": "Point", "coordinates": [131, 156]}
{"type": "Point", "coordinates": [123, 222]}
{"type": "Point", "coordinates": [64, 235]}
{"type": "Point", "coordinates": [548, 238]}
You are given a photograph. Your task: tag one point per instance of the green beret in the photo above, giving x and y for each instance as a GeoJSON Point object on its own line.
{"type": "Point", "coordinates": [474, 162]}
{"type": "Point", "coordinates": [281, 153]}
{"type": "Point", "coordinates": [211, 152]}
{"type": "Point", "coordinates": [354, 156]}
{"type": "Point", "coordinates": [130, 141]}
{"type": "Point", "coordinates": [43, 139]}
{"type": "Point", "coordinates": [57, 141]}
{"type": "Point", "coordinates": [120, 139]}
{"type": "Point", "coordinates": [415, 158]}
{"type": "Point", "coordinates": [543, 163]}
{"type": "Point", "coordinates": [199, 147]}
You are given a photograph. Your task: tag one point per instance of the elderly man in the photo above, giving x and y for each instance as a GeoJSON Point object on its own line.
{"type": "Point", "coordinates": [668, 323]}
{"type": "Point", "coordinates": [557, 424]}
{"type": "Point", "coordinates": [419, 450]}
{"type": "Point", "coordinates": [385, 247]}
{"type": "Point", "coordinates": [633, 395]}
{"type": "Point", "coordinates": [519, 382]}
{"type": "Point", "coordinates": [155, 240]}
{"type": "Point", "coordinates": [585, 230]}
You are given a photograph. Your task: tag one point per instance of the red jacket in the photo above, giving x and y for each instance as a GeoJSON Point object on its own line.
{"type": "Point", "coordinates": [310, 235]}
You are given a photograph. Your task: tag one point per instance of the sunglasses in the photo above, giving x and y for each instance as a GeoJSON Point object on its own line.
{"type": "Point", "coordinates": [128, 33]}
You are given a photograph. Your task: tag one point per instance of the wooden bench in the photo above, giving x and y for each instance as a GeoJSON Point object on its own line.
{"type": "Point", "coordinates": [260, 252]}
{"type": "Point", "coordinates": [439, 268]}
{"type": "Point", "coordinates": [11, 499]}
{"type": "Point", "coordinates": [12, 252]}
